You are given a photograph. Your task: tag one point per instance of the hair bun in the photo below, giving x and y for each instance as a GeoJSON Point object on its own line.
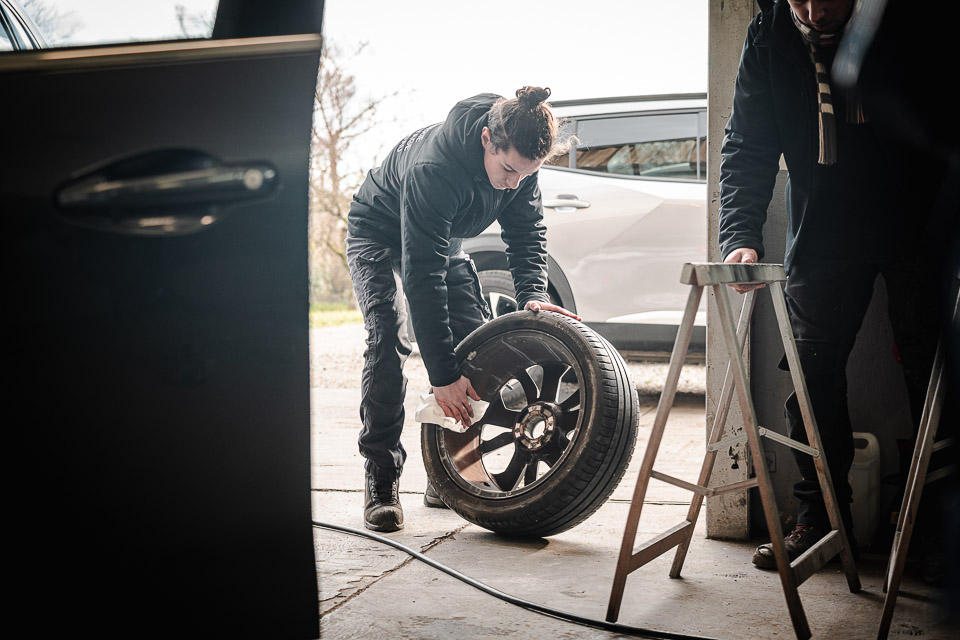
{"type": "Point", "coordinates": [532, 97]}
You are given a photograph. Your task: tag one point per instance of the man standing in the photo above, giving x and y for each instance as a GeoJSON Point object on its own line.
{"type": "Point", "coordinates": [440, 184]}
{"type": "Point", "coordinates": [850, 217]}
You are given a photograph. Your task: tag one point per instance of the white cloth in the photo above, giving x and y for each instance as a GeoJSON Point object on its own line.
{"type": "Point", "coordinates": [429, 411]}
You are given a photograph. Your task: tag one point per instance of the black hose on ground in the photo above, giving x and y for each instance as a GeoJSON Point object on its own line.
{"type": "Point", "coordinates": [639, 632]}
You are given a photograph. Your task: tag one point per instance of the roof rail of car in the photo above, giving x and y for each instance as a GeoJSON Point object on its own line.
{"type": "Point", "coordinates": [616, 99]}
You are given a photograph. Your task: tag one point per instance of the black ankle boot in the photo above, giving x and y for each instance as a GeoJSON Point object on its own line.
{"type": "Point", "coordinates": [432, 499]}
{"type": "Point", "coordinates": [381, 505]}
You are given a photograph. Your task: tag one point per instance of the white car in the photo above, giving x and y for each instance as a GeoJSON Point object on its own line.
{"type": "Point", "coordinates": [624, 210]}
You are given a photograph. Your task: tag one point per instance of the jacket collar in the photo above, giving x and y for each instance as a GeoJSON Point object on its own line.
{"type": "Point", "coordinates": [778, 31]}
{"type": "Point", "coordinates": [776, 25]}
{"type": "Point", "coordinates": [461, 134]}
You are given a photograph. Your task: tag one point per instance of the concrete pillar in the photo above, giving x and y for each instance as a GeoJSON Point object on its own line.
{"type": "Point", "coordinates": [728, 516]}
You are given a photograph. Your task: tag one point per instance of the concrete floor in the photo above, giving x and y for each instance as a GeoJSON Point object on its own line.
{"type": "Point", "coordinates": [368, 590]}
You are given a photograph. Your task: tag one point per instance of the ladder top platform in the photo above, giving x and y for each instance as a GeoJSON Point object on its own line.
{"type": "Point", "coordinates": [707, 273]}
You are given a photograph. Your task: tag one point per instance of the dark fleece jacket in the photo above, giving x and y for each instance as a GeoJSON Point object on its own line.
{"type": "Point", "coordinates": [430, 192]}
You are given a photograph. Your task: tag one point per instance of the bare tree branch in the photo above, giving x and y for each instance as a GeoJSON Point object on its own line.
{"type": "Point", "coordinates": [341, 116]}
{"type": "Point", "coordinates": [56, 26]}
{"type": "Point", "coordinates": [194, 24]}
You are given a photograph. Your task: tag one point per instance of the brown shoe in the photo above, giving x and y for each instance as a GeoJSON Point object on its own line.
{"type": "Point", "coordinates": [800, 540]}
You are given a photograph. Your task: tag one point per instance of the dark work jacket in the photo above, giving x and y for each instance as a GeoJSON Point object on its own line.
{"type": "Point", "coordinates": [430, 192]}
{"type": "Point", "coordinates": [774, 111]}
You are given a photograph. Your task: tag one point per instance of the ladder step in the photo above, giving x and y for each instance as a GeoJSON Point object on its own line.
{"type": "Point", "coordinates": [705, 491]}
{"type": "Point", "coordinates": [734, 486]}
{"type": "Point", "coordinates": [656, 547]}
{"type": "Point", "coordinates": [683, 484]}
{"type": "Point", "coordinates": [784, 440]}
{"type": "Point", "coordinates": [816, 556]}
{"type": "Point", "coordinates": [943, 444]}
{"type": "Point", "coordinates": [943, 472]}
{"type": "Point", "coordinates": [701, 274]}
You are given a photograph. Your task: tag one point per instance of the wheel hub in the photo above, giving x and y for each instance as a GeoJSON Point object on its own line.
{"type": "Point", "coordinates": [536, 426]}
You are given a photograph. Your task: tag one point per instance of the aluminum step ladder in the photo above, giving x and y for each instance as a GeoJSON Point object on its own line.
{"type": "Point", "coordinates": [917, 477]}
{"type": "Point", "coordinates": [792, 574]}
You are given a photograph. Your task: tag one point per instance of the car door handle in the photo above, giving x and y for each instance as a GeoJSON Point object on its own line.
{"type": "Point", "coordinates": [166, 192]}
{"type": "Point", "coordinates": [567, 204]}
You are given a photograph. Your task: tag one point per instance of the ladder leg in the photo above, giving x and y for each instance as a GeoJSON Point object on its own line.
{"type": "Point", "coordinates": [912, 473]}
{"type": "Point", "coordinates": [813, 434]}
{"type": "Point", "coordinates": [656, 435]}
{"type": "Point", "coordinates": [911, 497]}
{"type": "Point", "coordinates": [914, 466]}
{"type": "Point", "coordinates": [716, 434]}
{"type": "Point", "coordinates": [772, 514]}
{"type": "Point", "coordinates": [915, 457]}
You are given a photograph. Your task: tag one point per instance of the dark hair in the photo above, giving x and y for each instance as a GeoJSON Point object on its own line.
{"type": "Point", "coordinates": [525, 123]}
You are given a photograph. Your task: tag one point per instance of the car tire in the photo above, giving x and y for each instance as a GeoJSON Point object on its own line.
{"type": "Point", "coordinates": [543, 468]}
{"type": "Point", "coordinates": [499, 292]}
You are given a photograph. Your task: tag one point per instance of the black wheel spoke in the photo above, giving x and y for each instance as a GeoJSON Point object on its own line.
{"type": "Point", "coordinates": [571, 403]}
{"type": "Point", "coordinates": [499, 415]}
{"type": "Point", "coordinates": [497, 442]}
{"type": "Point", "coordinates": [529, 386]}
{"type": "Point", "coordinates": [551, 458]}
{"type": "Point", "coordinates": [530, 474]}
{"type": "Point", "coordinates": [566, 425]}
{"type": "Point", "coordinates": [552, 373]}
{"type": "Point", "coordinates": [509, 478]}
{"type": "Point", "coordinates": [568, 421]}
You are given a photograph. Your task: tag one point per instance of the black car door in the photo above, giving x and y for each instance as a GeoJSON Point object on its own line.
{"type": "Point", "coordinates": [154, 197]}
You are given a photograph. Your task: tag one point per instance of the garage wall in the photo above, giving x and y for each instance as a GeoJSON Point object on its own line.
{"type": "Point", "coordinates": [727, 515]}
{"type": "Point", "coordinates": [877, 396]}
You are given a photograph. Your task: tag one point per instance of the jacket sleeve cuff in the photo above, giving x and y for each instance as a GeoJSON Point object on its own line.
{"type": "Point", "coordinates": [523, 300]}
{"type": "Point", "coordinates": [444, 379]}
{"type": "Point", "coordinates": [733, 246]}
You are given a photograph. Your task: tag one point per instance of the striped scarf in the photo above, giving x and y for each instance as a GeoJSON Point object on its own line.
{"type": "Point", "coordinates": [854, 112]}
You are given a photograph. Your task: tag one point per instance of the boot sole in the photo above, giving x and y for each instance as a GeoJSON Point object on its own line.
{"type": "Point", "coordinates": [765, 562]}
{"type": "Point", "coordinates": [434, 503]}
{"type": "Point", "coordinates": [384, 528]}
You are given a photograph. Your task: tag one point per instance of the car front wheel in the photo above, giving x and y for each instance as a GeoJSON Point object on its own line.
{"type": "Point", "coordinates": [498, 291]}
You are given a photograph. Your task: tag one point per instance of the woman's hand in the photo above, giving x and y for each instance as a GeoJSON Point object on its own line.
{"type": "Point", "coordinates": [536, 305]}
{"type": "Point", "coordinates": [454, 400]}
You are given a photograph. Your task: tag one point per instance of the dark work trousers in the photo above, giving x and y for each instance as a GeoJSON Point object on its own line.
{"type": "Point", "coordinates": [375, 270]}
{"type": "Point", "coordinates": [827, 300]}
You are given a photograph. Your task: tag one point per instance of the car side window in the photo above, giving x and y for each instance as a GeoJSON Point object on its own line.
{"type": "Point", "coordinates": [661, 146]}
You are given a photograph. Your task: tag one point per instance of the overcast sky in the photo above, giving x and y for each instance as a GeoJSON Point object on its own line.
{"type": "Point", "coordinates": [432, 53]}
